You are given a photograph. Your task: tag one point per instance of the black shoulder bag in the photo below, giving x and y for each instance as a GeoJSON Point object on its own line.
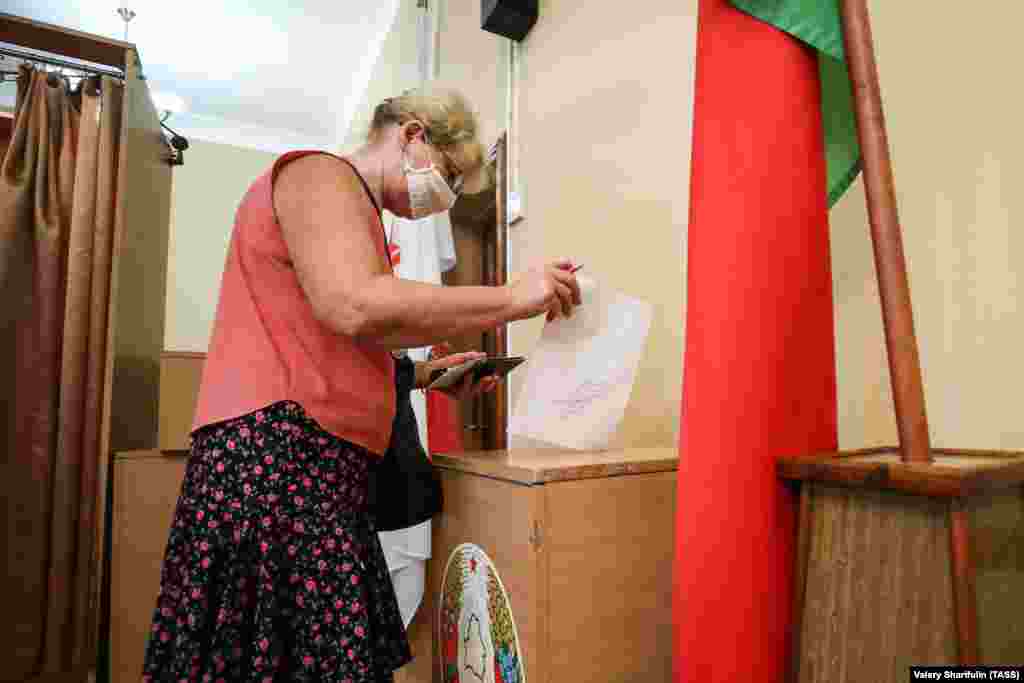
{"type": "Point", "coordinates": [404, 488]}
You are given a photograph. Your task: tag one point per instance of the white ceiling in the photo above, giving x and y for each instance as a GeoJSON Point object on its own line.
{"type": "Point", "coordinates": [255, 73]}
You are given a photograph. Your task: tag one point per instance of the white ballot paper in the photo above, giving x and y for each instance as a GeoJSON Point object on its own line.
{"type": "Point", "coordinates": [578, 379]}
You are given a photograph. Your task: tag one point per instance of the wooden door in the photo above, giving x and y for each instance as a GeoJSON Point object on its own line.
{"type": "Point", "coordinates": [6, 128]}
{"type": "Point", "coordinates": [478, 228]}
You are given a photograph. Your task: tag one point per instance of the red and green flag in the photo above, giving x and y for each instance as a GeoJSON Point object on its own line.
{"type": "Point", "coordinates": [774, 146]}
{"type": "Point", "coordinates": [816, 23]}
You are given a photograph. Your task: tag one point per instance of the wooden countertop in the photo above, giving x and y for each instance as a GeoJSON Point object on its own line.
{"type": "Point", "coordinates": [532, 466]}
{"type": "Point", "coordinates": [528, 466]}
{"type": "Point", "coordinates": [154, 453]}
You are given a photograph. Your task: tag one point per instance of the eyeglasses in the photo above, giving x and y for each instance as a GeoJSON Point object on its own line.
{"type": "Point", "coordinates": [453, 175]}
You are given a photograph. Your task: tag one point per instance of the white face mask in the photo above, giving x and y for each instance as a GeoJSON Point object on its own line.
{"type": "Point", "coordinates": [428, 191]}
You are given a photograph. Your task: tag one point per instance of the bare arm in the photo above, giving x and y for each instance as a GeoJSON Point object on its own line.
{"type": "Point", "coordinates": [401, 314]}
{"type": "Point", "coordinates": [328, 226]}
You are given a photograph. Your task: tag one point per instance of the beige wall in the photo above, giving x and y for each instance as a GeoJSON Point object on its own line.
{"type": "Point", "coordinates": [603, 137]}
{"type": "Point", "coordinates": [468, 58]}
{"type": "Point", "coordinates": [473, 61]}
{"type": "Point", "coordinates": [599, 106]}
{"type": "Point", "coordinates": [954, 126]}
{"type": "Point", "coordinates": [206, 192]}
{"type": "Point", "coordinates": [604, 133]}
{"type": "Point", "coordinates": [394, 71]}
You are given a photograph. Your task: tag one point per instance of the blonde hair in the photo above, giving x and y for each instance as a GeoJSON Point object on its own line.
{"type": "Point", "coordinates": [450, 122]}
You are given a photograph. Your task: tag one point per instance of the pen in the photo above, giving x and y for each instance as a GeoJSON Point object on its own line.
{"type": "Point", "coordinates": [575, 268]}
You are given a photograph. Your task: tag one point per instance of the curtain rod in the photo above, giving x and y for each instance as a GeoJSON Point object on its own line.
{"type": "Point", "coordinates": [55, 61]}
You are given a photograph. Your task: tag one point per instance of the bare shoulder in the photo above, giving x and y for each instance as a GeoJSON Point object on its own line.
{"type": "Point", "coordinates": [313, 173]}
{"type": "Point", "coordinates": [318, 183]}
{"type": "Point", "coordinates": [325, 217]}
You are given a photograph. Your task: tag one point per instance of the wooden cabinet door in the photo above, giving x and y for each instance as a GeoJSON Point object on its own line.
{"type": "Point", "coordinates": [478, 228]}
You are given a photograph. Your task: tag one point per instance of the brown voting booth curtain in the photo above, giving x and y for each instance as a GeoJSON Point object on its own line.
{"type": "Point", "coordinates": [57, 199]}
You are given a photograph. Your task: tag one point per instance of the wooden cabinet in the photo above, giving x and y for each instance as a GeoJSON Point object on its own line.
{"type": "Point", "coordinates": [181, 373]}
{"type": "Point", "coordinates": [583, 544]}
{"type": "Point", "coordinates": [145, 491]}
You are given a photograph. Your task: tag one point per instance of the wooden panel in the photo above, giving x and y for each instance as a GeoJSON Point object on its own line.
{"type": "Point", "coordinates": [498, 252]}
{"type": "Point", "coordinates": [473, 221]}
{"type": "Point", "coordinates": [610, 545]}
{"type": "Point", "coordinates": [541, 465]}
{"type": "Point", "coordinates": [139, 278]}
{"type": "Point", "coordinates": [805, 518]}
{"type": "Point", "coordinates": [180, 375]}
{"type": "Point", "coordinates": [6, 128]}
{"type": "Point", "coordinates": [63, 41]}
{"type": "Point", "coordinates": [146, 488]}
{"type": "Point", "coordinates": [878, 596]}
{"type": "Point", "coordinates": [997, 525]}
{"type": "Point", "coordinates": [501, 518]}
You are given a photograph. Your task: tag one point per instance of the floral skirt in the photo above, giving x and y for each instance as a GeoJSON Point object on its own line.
{"type": "Point", "coordinates": [273, 570]}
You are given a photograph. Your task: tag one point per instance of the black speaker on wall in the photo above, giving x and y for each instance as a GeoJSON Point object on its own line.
{"type": "Point", "coordinates": [510, 18]}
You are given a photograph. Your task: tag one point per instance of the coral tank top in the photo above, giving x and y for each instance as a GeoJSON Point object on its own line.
{"type": "Point", "coordinates": [267, 346]}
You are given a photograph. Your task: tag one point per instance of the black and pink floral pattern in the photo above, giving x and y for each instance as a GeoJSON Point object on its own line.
{"type": "Point", "coordinates": [273, 569]}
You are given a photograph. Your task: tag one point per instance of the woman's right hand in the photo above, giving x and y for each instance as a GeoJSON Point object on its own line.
{"type": "Point", "coordinates": [549, 288]}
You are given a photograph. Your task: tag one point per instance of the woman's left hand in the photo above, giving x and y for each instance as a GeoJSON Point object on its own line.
{"type": "Point", "coordinates": [466, 387]}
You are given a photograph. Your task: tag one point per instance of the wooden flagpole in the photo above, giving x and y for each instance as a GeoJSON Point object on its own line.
{"type": "Point", "coordinates": [890, 264]}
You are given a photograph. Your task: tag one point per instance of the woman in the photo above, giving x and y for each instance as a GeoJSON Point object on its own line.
{"type": "Point", "coordinates": [273, 570]}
